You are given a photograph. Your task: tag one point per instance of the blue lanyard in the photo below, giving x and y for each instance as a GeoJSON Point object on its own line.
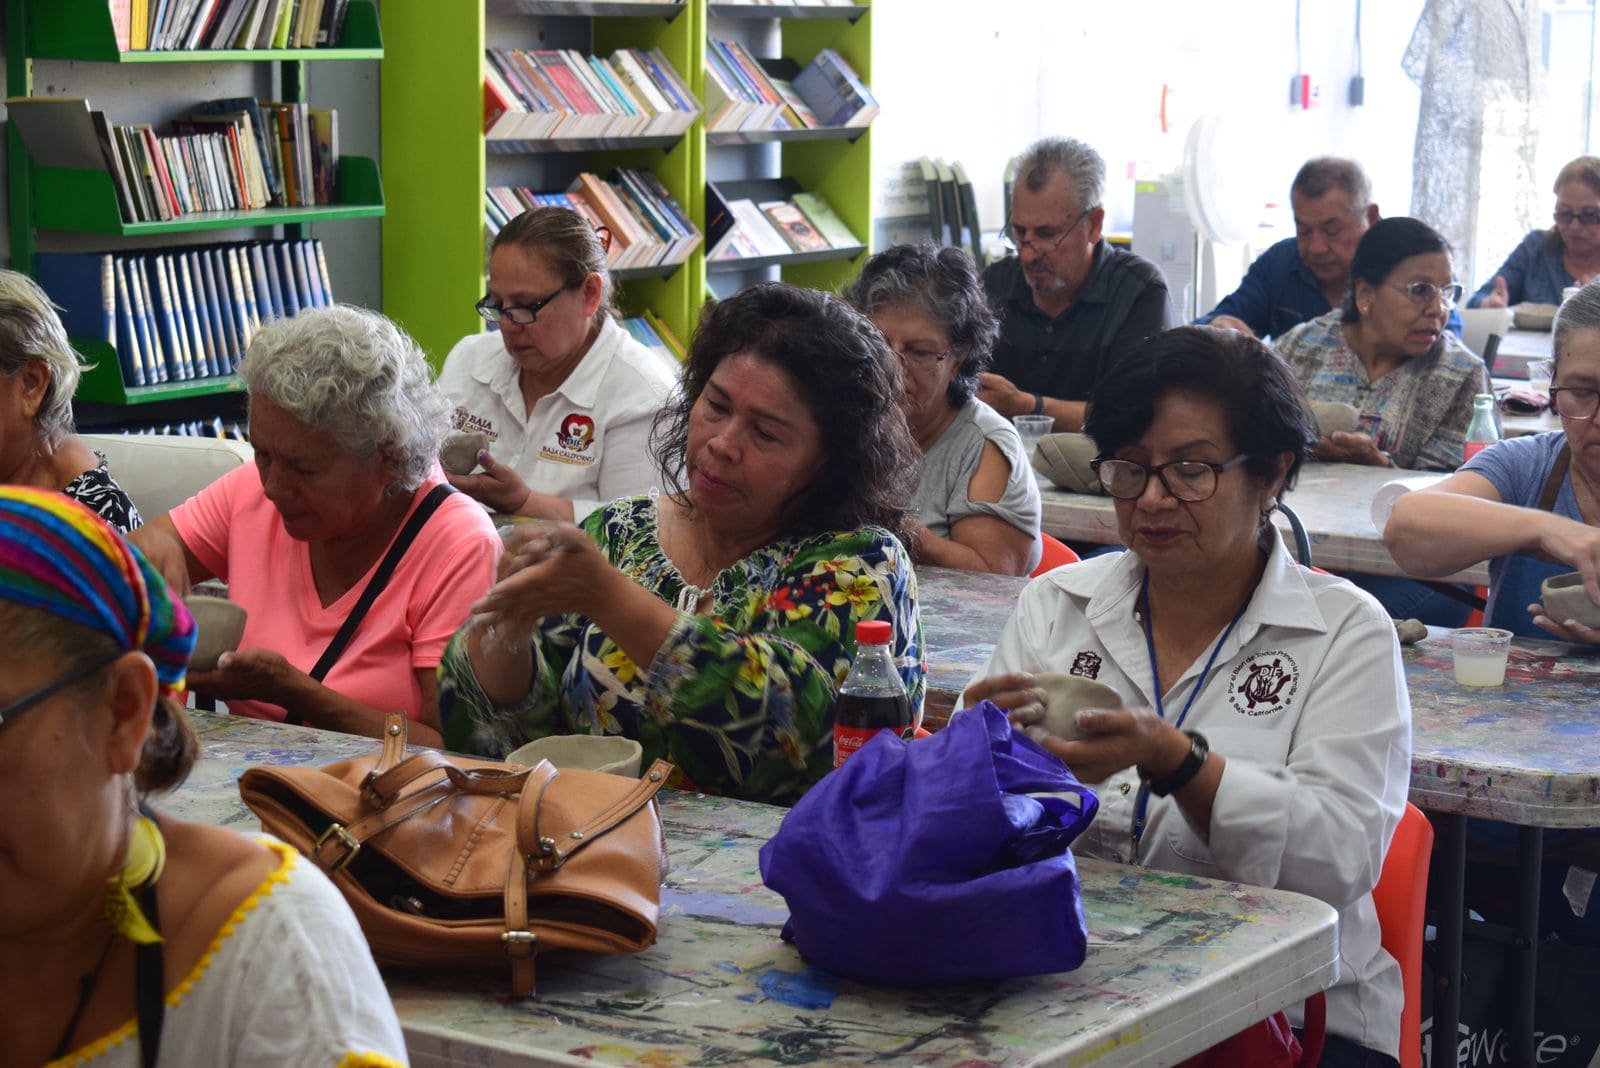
{"type": "Point", "coordinates": [1143, 801]}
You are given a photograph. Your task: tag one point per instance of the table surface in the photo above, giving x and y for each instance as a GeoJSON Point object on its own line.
{"type": "Point", "coordinates": [1333, 501]}
{"type": "Point", "coordinates": [1175, 963]}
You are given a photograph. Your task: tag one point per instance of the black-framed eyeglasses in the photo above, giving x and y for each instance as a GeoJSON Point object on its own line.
{"type": "Point", "coordinates": [521, 314]}
{"type": "Point", "coordinates": [1187, 480]}
{"type": "Point", "coordinates": [1575, 402]}
{"type": "Point", "coordinates": [44, 693]}
{"type": "Point", "coordinates": [1043, 241]}
{"type": "Point", "coordinates": [1586, 217]}
{"type": "Point", "coordinates": [1422, 293]}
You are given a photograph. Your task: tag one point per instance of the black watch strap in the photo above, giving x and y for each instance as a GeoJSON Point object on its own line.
{"type": "Point", "coordinates": [1192, 762]}
{"type": "Point", "coordinates": [1038, 404]}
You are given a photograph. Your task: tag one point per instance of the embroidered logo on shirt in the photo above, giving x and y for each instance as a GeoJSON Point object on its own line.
{"type": "Point", "coordinates": [573, 439]}
{"type": "Point", "coordinates": [465, 420]}
{"type": "Point", "coordinates": [1264, 684]}
{"type": "Point", "coordinates": [1085, 664]}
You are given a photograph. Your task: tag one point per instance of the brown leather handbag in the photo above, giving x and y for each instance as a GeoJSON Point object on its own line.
{"type": "Point", "coordinates": [448, 860]}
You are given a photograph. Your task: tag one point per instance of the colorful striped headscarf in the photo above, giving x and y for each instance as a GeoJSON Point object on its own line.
{"type": "Point", "coordinates": [58, 556]}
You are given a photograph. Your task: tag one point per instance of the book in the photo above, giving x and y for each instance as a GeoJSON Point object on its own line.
{"type": "Point", "coordinates": [57, 132]}
{"type": "Point", "coordinates": [257, 127]}
{"type": "Point", "coordinates": [834, 92]}
{"type": "Point", "coordinates": [129, 351]}
{"type": "Point", "coordinates": [324, 152]}
{"type": "Point", "coordinates": [144, 311]}
{"type": "Point", "coordinates": [758, 228]}
{"type": "Point", "coordinates": [948, 204]}
{"type": "Point", "coordinates": [827, 222]}
{"type": "Point", "coordinates": [968, 201]}
{"type": "Point", "coordinates": [794, 226]}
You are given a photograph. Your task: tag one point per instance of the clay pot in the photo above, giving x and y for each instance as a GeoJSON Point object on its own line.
{"type": "Point", "coordinates": [219, 624]}
{"type": "Point", "coordinates": [1565, 598]}
{"type": "Point", "coordinates": [593, 752]}
{"type": "Point", "coordinates": [1064, 460]}
{"type": "Point", "coordinates": [1064, 695]}
{"type": "Point", "coordinates": [459, 453]}
{"type": "Point", "coordinates": [1334, 417]}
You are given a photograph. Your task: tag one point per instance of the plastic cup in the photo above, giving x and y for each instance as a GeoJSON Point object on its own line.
{"type": "Point", "coordinates": [1030, 428]}
{"type": "Point", "coordinates": [1480, 655]}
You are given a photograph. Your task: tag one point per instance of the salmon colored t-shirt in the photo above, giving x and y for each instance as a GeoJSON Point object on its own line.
{"type": "Point", "coordinates": [233, 530]}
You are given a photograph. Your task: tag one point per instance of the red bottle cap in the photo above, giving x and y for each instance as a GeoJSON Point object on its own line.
{"type": "Point", "coordinates": [873, 632]}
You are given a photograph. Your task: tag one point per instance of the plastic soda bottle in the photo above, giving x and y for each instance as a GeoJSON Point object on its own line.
{"type": "Point", "coordinates": [1482, 431]}
{"type": "Point", "coordinates": [873, 697]}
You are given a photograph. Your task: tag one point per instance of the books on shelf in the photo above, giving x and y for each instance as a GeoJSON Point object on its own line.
{"type": "Point", "coordinates": [236, 154]}
{"type": "Point", "coordinates": [744, 93]}
{"type": "Point", "coordinates": [649, 331]}
{"type": "Point", "coordinates": [191, 25]}
{"type": "Point", "coordinates": [541, 94]}
{"type": "Point", "coordinates": [741, 228]}
{"type": "Point", "coordinates": [175, 314]}
{"type": "Point", "coordinates": [648, 227]}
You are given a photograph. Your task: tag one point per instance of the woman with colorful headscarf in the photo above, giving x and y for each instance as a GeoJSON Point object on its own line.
{"type": "Point", "coordinates": [121, 929]}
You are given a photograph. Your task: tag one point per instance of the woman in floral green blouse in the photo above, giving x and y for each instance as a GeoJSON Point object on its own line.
{"type": "Point", "coordinates": [715, 623]}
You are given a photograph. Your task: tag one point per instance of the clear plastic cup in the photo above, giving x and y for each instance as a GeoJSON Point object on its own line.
{"type": "Point", "coordinates": [1480, 655]}
{"type": "Point", "coordinates": [1030, 428]}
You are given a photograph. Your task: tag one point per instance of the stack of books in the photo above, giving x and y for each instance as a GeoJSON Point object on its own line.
{"type": "Point", "coordinates": [744, 229]}
{"type": "Point", "coordinates": [179, 314]}
{"type": "Point", "coordinates": [235, 154]}
{"type": "Point", "coordinates": [648, 227]}
{"type": "Point", "coordinates": [548, 93]}
{"type": "Point", "coordinates": [187, 25]}
{"type": "Point", "coordinates": [743, 93]}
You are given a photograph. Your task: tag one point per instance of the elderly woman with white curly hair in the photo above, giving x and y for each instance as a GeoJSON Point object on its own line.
{"type": "Point", "coordinates": [38, 375]}
{"type": "Point", "coordinates": [346, 426]}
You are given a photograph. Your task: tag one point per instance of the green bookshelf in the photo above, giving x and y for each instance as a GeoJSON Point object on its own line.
{"type": "Point", "coordinates": [102, 383]}
{"type": "Point", "coordinates": [81, 30]}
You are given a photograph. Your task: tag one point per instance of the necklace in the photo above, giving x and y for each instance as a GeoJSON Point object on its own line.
{"type": "Point", "coordinates": [690, 596]}
{"type": "Point", "coordinates": [86, 987]}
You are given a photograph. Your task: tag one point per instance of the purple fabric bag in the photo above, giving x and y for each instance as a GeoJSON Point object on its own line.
{"type": "Point", "coordinates": [937, 861]}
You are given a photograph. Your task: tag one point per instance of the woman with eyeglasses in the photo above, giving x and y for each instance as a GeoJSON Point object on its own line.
{"type": "Point", "coordinates": [1567, 254]}
{"type": "Point", "coordinates": [563, 391]}
{"type": "Point", "coordinates": [977, 505]}
{"type": "Point", "coordinates": [1266, 737]}
{"type": "Point", "coordinates": [1387, 353]}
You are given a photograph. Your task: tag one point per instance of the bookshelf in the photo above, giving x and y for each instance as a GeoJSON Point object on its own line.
{"type": "Point", "coordinates": [436, 159]}
{"type": "Point", "coordinates": [84, 202]}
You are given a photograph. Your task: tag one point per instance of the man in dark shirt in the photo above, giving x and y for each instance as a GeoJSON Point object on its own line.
{"type": "Point", "coordinates": [1070, 305]}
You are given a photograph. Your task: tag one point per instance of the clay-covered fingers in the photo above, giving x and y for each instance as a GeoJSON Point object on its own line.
{"type": "Point", "coordinates": [1567, 630]}
{"type": "Point", "coordinates": [1015, 693]}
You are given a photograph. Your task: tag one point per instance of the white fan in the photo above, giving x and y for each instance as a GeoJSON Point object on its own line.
{"type": "Point", "coordinates": [1223, 188]}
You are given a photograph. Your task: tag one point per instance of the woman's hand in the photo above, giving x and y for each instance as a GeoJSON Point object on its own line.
{"type": "Point", "coordinates": [547, 569]}
{"type": "Point", "coordinates": [1567, 630]}
{"type": "Point", "coordinates": [499, 486]}
{"type": "Point", "coordinates": [253, 674]}
{"type": "Point", "coordinates": [1352, 447]}
{"type": "Point", "coordinates": [1015, 693]}
{"type": "Point", "coordinates": [1111, 739]}
{"type": "Point", "coordinates": [1574, 543]}
{"type": "Point", "coordinates": [1498, 297]}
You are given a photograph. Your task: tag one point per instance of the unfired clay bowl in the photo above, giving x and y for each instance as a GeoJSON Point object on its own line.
{"type": "Point", "coordinates": [1064, 460]}
{"type": "Point", "coordinates": [592, 752]}
{"type": "Point", "coordinates": [1064, 695]}
{"type": "Point", "coordinates": [219, 624]}
{"type": "Point", "coordinates": [1533, 316]}
{"type": "Point", "coordinates": [1334, 417]}
{"type": "Point", "coordinates": [1565, 598]}
{"type": "Point", "coordinates": [459, 453]}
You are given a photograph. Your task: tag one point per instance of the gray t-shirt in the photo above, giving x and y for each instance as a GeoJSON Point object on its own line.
{"type": "Point", "coordinates": [948, 467]}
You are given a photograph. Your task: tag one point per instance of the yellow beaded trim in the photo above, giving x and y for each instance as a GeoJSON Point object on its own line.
{"type": "Point", "coordinates": [368, 1059]}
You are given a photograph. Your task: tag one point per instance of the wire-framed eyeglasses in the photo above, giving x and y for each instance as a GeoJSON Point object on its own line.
{"type": "Point", "coordinates": [1045, 240]}
{"type": "Point", "coordinates": [1422, 293]}
{"type": "Point", "coordinates": [521, 314]}
{"type": "Point", "coordinates": [45, 692]}
{"type": "Point", "coordinates": [1187, 480]}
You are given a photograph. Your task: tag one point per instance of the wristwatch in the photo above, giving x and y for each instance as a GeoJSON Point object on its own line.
{"type": "Point", "coordinates": [1038, 404]}
{"type": "Point", "coordinates": [1179, 777]}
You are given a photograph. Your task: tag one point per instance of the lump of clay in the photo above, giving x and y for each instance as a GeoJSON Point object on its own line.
{"type": "Point", "coordinates": [1410, 631]}
{"type": "Point", "coordinates": [459, 454]}
{"type": "Point", "coordinates": [1335, 418]}
{"type": "Point", "coordinates": [1064, 695]}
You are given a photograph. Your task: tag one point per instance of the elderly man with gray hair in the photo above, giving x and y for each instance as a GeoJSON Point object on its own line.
{"type": "Point", "coordinates": [1070, 305]}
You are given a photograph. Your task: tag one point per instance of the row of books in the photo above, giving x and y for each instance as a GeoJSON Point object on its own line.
{"type": "Point", "coordinates": [742, 228]}
{"type": "Point", "coordinates": [179, 314]}
{"type": "Point", "coordinates": [648, 227]}
{"type": "Point", "coordinates": [744, 93]}
{"type": "Point", "coordinates": [649, 331]}
{"type": "Point", "coordinates": [545, 93]}
{"type": "Point", "coordinates": [952, 206]}
{"type": "Point", "coordinates": [193, 428]}
{"type": "Point", "coordinates": [187, 25]}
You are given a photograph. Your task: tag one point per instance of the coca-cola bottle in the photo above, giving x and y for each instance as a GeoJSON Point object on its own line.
{"type": "Point", "coordinates": [873, 697]}
{"type": "Point", "coordinates": [1482, 431]}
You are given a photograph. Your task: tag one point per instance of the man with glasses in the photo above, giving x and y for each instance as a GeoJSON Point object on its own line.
{"type": "Point", "coordinates": [1567, 254]}
{"type": "Point", "coordinates": [1070, 305]}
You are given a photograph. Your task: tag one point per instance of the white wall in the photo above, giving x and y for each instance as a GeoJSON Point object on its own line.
{"type": "Point", "coordinates": [978, 81]}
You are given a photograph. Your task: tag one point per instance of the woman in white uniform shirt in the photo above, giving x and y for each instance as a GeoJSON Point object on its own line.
{"type": "Point", "coordinates": [1213, 634]}
{"type": "Point", "coordinates": [564, 392]}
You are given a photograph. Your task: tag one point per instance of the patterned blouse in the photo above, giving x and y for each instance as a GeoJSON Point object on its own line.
{"type": "Point", "coordinates": [741, 700]}
{"type": "Point", "coordinates": [1418, 413]}
{"type": "Point", "coordinates": [97, 491]}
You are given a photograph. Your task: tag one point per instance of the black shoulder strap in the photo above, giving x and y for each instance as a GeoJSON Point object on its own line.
{"type": "Point", "coordinates": [380, 578]}
{"type": "Point", "coordinates": [1558, 475]}
{"type": "Point", "coordinates": [150, 983]}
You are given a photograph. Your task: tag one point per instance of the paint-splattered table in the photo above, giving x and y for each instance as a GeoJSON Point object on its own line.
{"type": "Point", "coordinates": [1175, 964]}
{"type": "Point", "coordinates": [1333, 501]}
{"type": "Point", "coordinates": [1526, 753]}
{"type": "Point", "coordinates": [962, 614]}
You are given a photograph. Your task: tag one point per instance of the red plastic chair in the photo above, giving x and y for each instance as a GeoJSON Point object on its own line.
{"type": "Point", "coordinates": [1400, 898]}
{"type": "Point", "coordinates": [1055, 554]}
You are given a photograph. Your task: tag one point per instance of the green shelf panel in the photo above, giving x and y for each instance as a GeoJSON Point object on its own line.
{"type": "Point", "coordinates": [102, 381]}
{"type": "Point", "coordinates": [81, 30]}
{"type": "Point", "coordinates": [583, 8]}
{"type": "Point", "coordinates": [86, 202]}
{"type": "Point", "coordinates": [850, 12]}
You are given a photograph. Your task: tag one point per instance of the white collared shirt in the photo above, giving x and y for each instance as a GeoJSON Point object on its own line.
{"type": "Point", "coordinates": [1307, 702]}
{"type": "Point", "coordinates": [589, 440]}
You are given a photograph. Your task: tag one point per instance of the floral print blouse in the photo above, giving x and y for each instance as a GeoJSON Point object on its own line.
{"type": "Point", "coordinates": [740, 700]}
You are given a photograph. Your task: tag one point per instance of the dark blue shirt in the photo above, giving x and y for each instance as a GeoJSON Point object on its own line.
{"type": "Point", "coordinates": [1534, 272]}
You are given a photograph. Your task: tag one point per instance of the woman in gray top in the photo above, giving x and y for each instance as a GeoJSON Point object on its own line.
{"type": "Point", "coordinates": [977, 504]}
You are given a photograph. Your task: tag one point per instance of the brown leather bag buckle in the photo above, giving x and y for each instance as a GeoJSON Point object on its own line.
{"type": "Point", "coordinates": [520, 945]}
{"type": "Point", "coordinates": [336, 835]}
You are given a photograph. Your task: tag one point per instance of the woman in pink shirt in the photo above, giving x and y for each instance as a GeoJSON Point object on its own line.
{"type": "Point", "coordinates": [346, 426]}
